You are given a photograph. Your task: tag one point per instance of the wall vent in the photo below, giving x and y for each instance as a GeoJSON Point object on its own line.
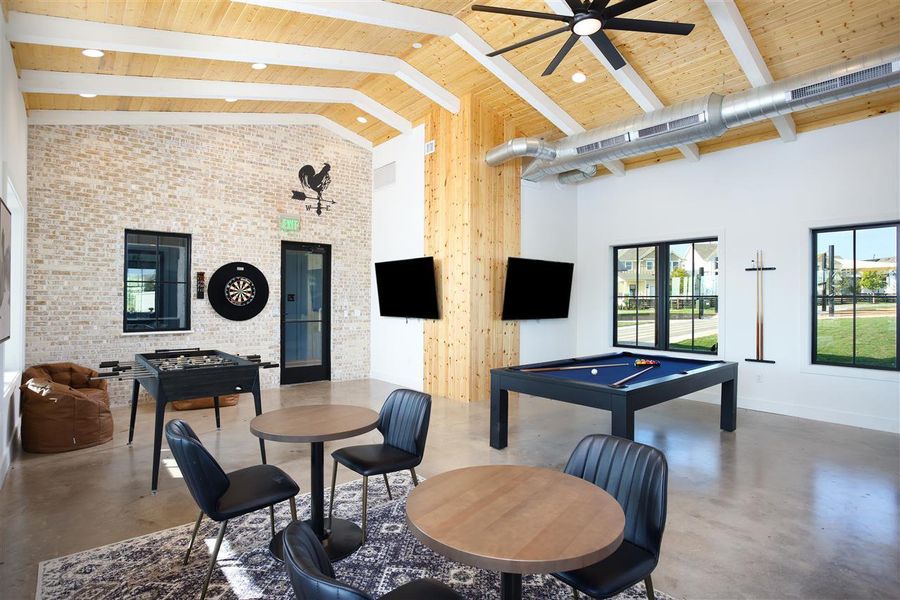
{"type": "Point", "coordinates": [385, 175]}
{"type": "Point", "coordinates": [429, 147]}
{"type": "Point", "coordinates": [814, 89]}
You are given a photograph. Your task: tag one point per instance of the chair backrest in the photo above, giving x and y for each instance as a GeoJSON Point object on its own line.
{"type": "Point", "coordinates": [204, 477]}
{"type": "Point", "coordinates": [309, 568]}
{"type": "Point", "coordinates": [634, 474]}
{"type": "Point", "coordinates": [403, 420]}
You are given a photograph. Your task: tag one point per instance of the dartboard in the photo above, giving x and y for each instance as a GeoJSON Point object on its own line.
{"type": "Point", "coordinates": [238, 291]}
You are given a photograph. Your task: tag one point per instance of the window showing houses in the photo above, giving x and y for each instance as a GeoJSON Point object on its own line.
{"type": "Point", "coordinates": [673, 310]}
{"type": "Point", "coordinates": [855, 296]}
{"type": "Point", "coordinates": [157, 286]}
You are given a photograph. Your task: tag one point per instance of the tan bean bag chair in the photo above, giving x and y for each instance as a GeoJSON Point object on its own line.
{"type": "Point", "coordinates": [63, 409]}
{"type": "Point", "coordinates": [208, 402]}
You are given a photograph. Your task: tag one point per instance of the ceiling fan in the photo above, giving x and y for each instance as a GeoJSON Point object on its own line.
{"type": "Point", "coordinates": [590, 18]}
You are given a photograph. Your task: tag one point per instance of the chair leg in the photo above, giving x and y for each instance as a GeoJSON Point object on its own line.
{"type": "Point", "coordinates": [293, 508]}
{"type": "Point", "coordinates": [272, 519]}
{"type": "Point", "coordinates": [333, 485]}
{"type": "Point", "coordinates": [365, 504]}
{"type": "Point", "coordinates": [187, 554]}
{"type": "Point", "coordinates": [388, 486]}
{"type": "Point", "coordinates": [212, 559]}
{"type": "Point", "coordinates": [415, 479]}
{"type": "Point", "coordinates": [648, 583]}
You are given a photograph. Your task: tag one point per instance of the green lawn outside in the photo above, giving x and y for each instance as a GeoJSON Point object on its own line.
{"type": "Point", "coordinates": [876, 341]}
{"type": "Point", "coordinates": [703, 344]}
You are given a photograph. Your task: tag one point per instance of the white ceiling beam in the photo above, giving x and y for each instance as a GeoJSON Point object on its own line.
{"type": "Point", "coordinates": [734, 30]}
{"type": "Point", "coordinates": [615, 166]}
{"type": "Point", "coordinates": [71, 33]}
{"type": "Point", "coordinates": [628, 78]}
{"type": "Point", "coordinates": [142, 117]}
{"type": "Point", "coordinates": [50, 82]}
{"type": "Point", "coordinates": [408, 18]}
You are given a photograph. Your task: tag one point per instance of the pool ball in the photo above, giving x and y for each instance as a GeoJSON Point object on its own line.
{"type": "Point", "coordinates": [593, 371]}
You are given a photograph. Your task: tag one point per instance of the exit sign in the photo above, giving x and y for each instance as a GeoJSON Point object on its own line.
{"type": "Point", "coordinates": [290, 224]}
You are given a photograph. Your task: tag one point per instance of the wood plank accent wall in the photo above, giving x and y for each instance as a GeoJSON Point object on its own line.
{"type": "Point", "coordinates": [472, 226]}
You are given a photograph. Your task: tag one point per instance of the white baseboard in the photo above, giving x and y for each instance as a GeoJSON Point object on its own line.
{"type": "Point", "coordinates": [403, 381]}
{"type": "Point", "coordinates": [815, 413]}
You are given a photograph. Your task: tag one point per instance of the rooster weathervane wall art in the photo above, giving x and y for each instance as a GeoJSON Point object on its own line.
{"type": "Point", "coordinates": [316, 183]}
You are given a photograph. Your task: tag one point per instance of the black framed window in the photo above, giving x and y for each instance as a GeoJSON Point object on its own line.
{"type": "Point", "coordinates": [855, 313]}
{"type": "Point", "coordinates": [157, 281]}
{"type": "Point", "coordinates": [667, 296]}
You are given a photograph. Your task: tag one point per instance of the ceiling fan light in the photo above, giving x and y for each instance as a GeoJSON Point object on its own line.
{"type": "Point", "coordinates": [587, 26]}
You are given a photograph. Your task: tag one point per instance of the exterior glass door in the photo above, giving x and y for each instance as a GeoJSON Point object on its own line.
{"type": "Point", "coordinates": [305, 312]}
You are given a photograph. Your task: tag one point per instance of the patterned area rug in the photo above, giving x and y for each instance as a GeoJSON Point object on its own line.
{"type": "Point", "coordinates": [149, 567]}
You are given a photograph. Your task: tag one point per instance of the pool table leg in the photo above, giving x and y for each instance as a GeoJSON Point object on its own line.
{"type": "Point", "coordinates": [623, 423]}
{"type": "Point", "coordinates": [728, 415]}
{"type": "Point", "coordinates": [499, 414]}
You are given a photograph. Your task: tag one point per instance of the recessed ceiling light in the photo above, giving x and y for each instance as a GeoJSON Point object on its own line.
{"type": "Point", "coordinates": [231, 99]}
{"type": "Point", "coordinates": [579, 77]}
{"type": "Point", "coordinates": [88, 95]}
{"type": "Point", "coordinates": [92, 53]}
{"type": "Point", "coordinates": [417, 45]}
{"type": "Point", "coordinates": [362, 119]}
{"type": "Point", "coordinates": [259, 66]}
{"type": "Point", "coordinates": [587, 26]}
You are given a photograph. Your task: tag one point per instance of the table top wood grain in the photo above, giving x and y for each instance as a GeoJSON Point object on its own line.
{"type": "Point", "coordinates": [515, 519]}
{"type": "Point", "coordinates": [314, 423]}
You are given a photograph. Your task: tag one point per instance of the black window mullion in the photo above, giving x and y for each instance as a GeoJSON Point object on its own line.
{"type": "Point", "coordinates": [855, 285]}
{"type": "Point", "coordinates": [662, 296]}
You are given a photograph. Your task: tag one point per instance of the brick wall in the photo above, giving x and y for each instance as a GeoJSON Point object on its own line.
{"type": "Point", "coordinates": [227, 186]}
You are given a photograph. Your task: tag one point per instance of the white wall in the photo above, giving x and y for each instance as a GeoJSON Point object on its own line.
{"type": "Point", "coordinates": [549, 232]}
{"type": "Point", "coordinates": [398, 232]}
{"type": "Point", "coordinates": [763, 196]}
{"type": "Point", "coordinates": [13, 189]}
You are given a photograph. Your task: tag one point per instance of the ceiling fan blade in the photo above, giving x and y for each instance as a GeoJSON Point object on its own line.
{"type": "Point", "coordinates": [609, 51]}
{"type": "Point", "coordinates": [536, 38]}
{"type": "Point", "coordinates": [560, 55]}
{"type": "Point", "coordinates": [648, 26]}
{"type": "Point", "coordinates": [598, 5]}
{"type": "Point", "coordinates": [624, 6]}
{"type": "Point", "coordinates": [520, 13]}
{"type": "Point", "coordinates": [575, 5]}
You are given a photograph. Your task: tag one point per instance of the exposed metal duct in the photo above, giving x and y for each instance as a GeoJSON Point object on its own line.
{"type": "Point", "coordinates": [575, 157]}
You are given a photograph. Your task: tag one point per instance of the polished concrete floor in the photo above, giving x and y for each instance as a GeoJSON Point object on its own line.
{"type": "Point", "coordinates": [782, 508]}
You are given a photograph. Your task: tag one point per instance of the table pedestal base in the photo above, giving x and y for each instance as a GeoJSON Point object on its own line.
{"type": "Point", "coordinates": [510, 586]}
{"type": "Point", "coordinates": [342, 539]}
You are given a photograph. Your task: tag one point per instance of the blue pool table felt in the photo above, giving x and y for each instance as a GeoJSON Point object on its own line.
{"type": "Point", "coordinates": [605, 376]}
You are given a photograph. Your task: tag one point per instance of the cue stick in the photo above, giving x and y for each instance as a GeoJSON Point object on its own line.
{"type": "Point", "coordinates": [541, 369]}
{"type": "Point", "coordinates": [757, 304]}
{"type": "Point", "coordinates": [762, 305]}
{"type": "Point", "coordinates": [625, 380]}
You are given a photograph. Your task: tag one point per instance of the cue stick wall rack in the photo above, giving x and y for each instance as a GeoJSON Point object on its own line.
{"type": "Point", "coordinates": [759, 269]}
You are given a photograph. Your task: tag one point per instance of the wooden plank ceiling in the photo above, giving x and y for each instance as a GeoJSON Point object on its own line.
{"type": "Point", "coordinates": [793, 36]}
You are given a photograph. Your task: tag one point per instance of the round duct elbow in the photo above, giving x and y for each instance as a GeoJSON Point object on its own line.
{"type": "Point", "coordinates": [577, 176]}
{"type": "Point", "coordinates": [519, 147]}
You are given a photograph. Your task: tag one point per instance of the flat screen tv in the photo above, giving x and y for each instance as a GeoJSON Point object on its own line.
{"type": "Point", "coordinates": [406, 288]}
{"type": "Point", "coordinates": [537, 289]}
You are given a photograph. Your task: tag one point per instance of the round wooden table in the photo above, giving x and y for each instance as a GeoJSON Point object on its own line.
{"type": "Point", "coordinates": [516, 520]}
{"type": "Point", "coordinates": [316, 424]}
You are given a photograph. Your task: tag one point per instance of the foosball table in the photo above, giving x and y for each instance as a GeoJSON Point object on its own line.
{"type": "Point", "coordinates": [183, 374]}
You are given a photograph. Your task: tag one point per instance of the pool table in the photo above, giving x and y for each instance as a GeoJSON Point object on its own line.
{"type": "Point", "coordinates": [673, 378]}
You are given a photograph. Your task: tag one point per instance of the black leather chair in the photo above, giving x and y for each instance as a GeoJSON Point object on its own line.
{"type": "Point", "coordinates": [637, 476]}
{"type": "Point", "coordinates": [223, 496]}
{"type": "Point", "coordinates": [404, 424]}
{"type": "Point", "coordinates": [312, 575]}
